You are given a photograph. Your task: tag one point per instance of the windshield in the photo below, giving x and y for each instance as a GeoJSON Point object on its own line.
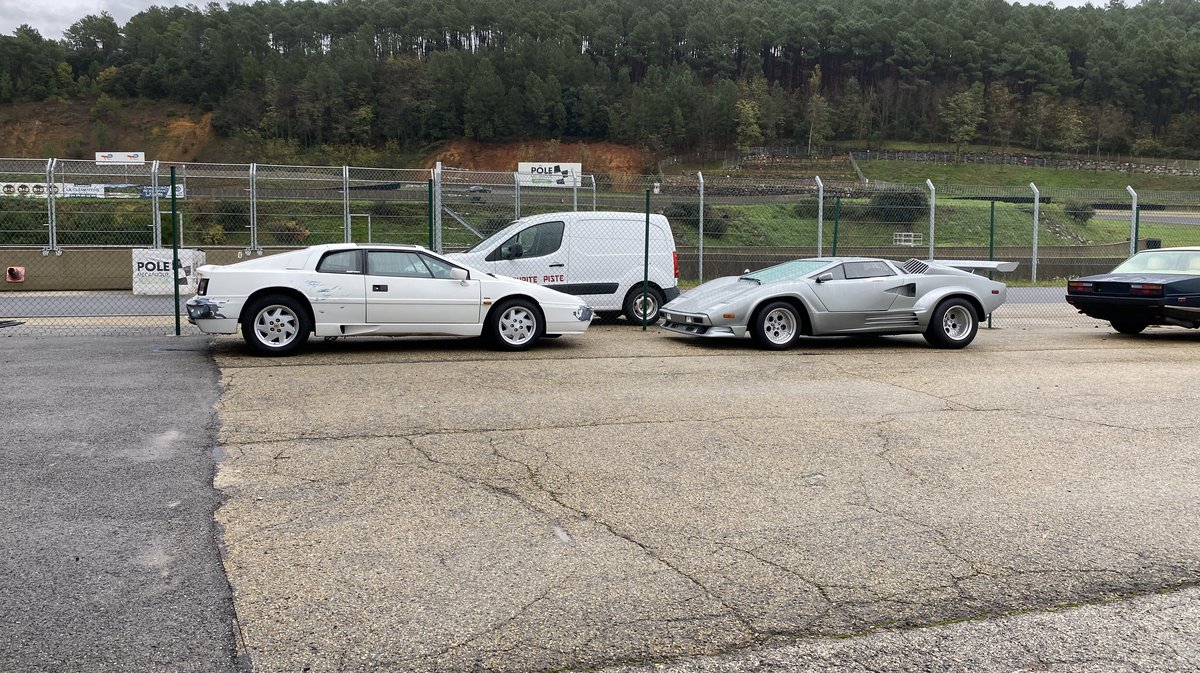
{"type": "Point", "coordinates": [487, 242]}
{"type": "Point", "coordinates": [1162, 261]}
{"type": "Point", "coordinates": [786, 271]}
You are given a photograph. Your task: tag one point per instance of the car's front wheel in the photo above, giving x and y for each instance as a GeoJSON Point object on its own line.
{"type": "Point", "coordinates": [515, 325]}
{"type": "Point", "coordinates": [953, 324]}
{"type": "Point", "coordinates": [776, 326]}
{"type": "Point", "coordinates": [1128, 326]}
{"type": "Point", "coordinates": [276, 325]}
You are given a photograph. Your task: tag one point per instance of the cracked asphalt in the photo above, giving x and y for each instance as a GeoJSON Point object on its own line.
{"type": "Point", "coordinates": [642, 502]}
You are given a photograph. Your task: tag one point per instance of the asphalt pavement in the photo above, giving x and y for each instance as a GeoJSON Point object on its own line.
{"type": "Point", "coordinates": [111, 556]}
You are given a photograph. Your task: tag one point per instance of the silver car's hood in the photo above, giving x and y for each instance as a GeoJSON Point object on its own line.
{"type": "Point", "coordinates": [705, 297]}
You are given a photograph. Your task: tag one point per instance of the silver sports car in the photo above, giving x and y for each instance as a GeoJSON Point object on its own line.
{"type": "Point", "coordinates": [942, 300]}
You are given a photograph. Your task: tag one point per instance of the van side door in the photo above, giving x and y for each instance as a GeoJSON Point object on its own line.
{"type": "Point", "coordinates": [537, 254]}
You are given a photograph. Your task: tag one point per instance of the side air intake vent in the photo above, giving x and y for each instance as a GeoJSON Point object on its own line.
{"type": "Point", "coordinates": [915, 266]}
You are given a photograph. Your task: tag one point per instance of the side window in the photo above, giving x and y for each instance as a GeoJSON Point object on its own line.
{"type": "Point", "coordinates": [396, 263]}
{"type": "Point", "coordinates": [343, 261]}
{"type": "Point", "coordinates": [838, 272]}
{"type": "Point", "coordinates": [536, 241]}
{"type": "Point", "coordinates": [868, 270]}
{"type": "Point", "coordinates": [437, 267]}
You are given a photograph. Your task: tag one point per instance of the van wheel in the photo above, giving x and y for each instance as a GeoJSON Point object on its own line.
{"type": "Point", "coordinates": [515, 325]}
{"type": "Point", "coordinates": [637, 305]}
{"type": "Point", "coordinates": [276, 325]}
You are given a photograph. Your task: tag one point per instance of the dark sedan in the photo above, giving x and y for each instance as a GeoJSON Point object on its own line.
{"type": "Point", "coordinates": [1154, 287]}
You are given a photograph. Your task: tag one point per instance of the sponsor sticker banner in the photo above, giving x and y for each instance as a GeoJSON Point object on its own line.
{"type": "Point", "coordinates": [548, 174]}
{"type": "Point", "coordinates": [120, 158]}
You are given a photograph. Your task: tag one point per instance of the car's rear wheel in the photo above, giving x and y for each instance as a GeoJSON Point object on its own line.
{"type": "Point", "coordinates": [515, 325]}
{"type": "Point", "coordinates": [953, 324]}
{"type": "Point", "coordinates": [776, 326]}
{"type": "Point", "coordinates": [637, 305]}
{"type": "Point", "coordinates": [276, 325]}
{"type": "Point", "coordinates": [1128, 326]}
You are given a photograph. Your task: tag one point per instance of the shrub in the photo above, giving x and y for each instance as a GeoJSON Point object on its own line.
{"type": "Point", "coordinates": [899, 207]}
{"type": "Point", "coordinates": [291, 233]}
{"type": "Point", "coordinates": [1080, 211]}
{"type": "Point", "coordinates": [233, 215]}
{"type": "Point", "coordinates": [213, 235]}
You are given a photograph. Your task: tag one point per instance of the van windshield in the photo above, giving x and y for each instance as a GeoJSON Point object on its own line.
{"type": "Point", "coordinates": [490, 240]}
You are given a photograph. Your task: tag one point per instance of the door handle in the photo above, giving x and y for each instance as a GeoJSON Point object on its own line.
{"type": "Point", "coordinates": [379, 288]}
{"type": "Point", "coordinates": [559, 265]}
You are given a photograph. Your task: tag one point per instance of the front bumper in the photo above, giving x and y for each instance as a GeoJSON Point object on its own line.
{"type": "Point", "coordinates": [696, 324]}
{"type": "Point", "coordinates": [203, 308]}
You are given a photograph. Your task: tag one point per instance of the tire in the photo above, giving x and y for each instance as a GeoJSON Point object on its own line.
{"type": "Point", "coordinates": [1128, 326]}
{"type": "Point", "coordinates": [776, 326]}
{"type": "Point", "coordinates": [276, 325]}
{"type": "Point", "coordinates": [515, 325]}
{"type": "Point", "coordinates": [634, 306]}
{"type": "Point", "coordinates": [953, 324]}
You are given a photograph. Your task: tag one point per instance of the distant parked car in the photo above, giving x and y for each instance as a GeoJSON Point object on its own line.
{"type": "Point", "coordinates": [353, 290]}
{"type": "Point", "coordinates": [942, 300]}
{"type": "Point", "coordinates": [1154, 287]}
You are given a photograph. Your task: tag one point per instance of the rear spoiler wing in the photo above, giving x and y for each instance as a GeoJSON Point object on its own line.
{"type": "Point", "coordinates": [976, 265]}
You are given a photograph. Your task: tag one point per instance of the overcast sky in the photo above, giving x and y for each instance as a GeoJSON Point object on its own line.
{"type": "Point", "coordinates": [52, 17]}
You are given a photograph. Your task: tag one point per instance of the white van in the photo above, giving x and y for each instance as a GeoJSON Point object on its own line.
{"type": "Point", "coordinates": [595, 255]}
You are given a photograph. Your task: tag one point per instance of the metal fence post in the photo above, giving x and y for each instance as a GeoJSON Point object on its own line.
{"type": "Point", "coordinates": [700, 226]}
{"type": "Point", "coordinates": [820, 214]}
{"type": "Point", "coordinates": [517, 196]}
{"type": "Point", "coordinates": [932, 214]}
{"type": "Point", "coordinates": [51, 211]}
{"type": "Point", "coordinates": [254, 248]}
{"type": "Point", "coordinates": [575, 193]}
{"type": "Point", "coordinates": [155, 215]}
{"type": "Point", "coordinates": [1133, 221]}
{"type": "Point", "coordinates": [346, 201]}
{"type": "Point", "coordinates": [429, 212]}
{"type": "Point", "coordinates": [1037, 211]}
{"type": "Point", "coordinates": [593, 193]}
{"type": "Point", "coordinates": [437, 207]}
{"type": "Point", "coordinates": [175, 265]}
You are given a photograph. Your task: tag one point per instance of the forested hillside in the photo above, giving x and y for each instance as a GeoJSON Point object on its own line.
{"type": "Point", "coordinates": [677, 75]}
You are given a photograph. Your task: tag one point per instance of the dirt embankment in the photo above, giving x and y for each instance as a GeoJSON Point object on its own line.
{"type": "Point", "coordinates": [173, 132]}
{"type": "Point", "coordinates": [72, 131]}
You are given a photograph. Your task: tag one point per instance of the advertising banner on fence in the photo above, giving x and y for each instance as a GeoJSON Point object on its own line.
{"type": "Point", "coordinates": [548, 174]}
{"type": "Point", "coordinates": [121, 158]}
{"type": "Point", "coordinates": [152, 270]}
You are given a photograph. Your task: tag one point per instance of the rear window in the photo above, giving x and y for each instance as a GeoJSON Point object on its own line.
{"type": "Point", "coordinates": [1185, 262]}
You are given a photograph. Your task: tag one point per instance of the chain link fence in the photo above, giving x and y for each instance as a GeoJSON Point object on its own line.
{"type": "Point", "coordinates": [91, 243]}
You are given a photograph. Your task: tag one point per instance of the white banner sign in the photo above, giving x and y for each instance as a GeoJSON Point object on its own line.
{"type": "Point", "coordinates": [548, 174]}
{"type": "Point", "coordinates": [120, 157]}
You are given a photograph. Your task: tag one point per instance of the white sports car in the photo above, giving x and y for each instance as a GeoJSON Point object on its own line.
{"type": "Point", "coordinates": [351, 290]}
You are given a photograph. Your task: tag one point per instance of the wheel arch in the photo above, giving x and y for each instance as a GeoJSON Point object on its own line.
{"type": "Point", "coordinates": [794, 301]}
{"type": "Point", "coordinates": [980, 314]}
{"type": "Point", "coordinates": [537, 306]}
{"type": "Point", "coordinates": [286, 291]}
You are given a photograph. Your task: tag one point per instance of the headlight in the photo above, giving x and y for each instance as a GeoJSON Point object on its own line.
{"type": "Point", "coordinates": [583, 313]}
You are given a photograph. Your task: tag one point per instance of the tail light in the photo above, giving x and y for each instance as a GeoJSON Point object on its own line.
{"type": "Point", "coordinates": [1145, 290]}
{"type": "Point", "coordinates": [202, 288]}
{"type": "Point", "coordinates": [1079, 287]}
{"type": "Point", "coordinates": [675, 259]}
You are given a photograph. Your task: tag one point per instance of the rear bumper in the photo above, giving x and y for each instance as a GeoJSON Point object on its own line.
{"type": "Point", "coordinates": [1150, 310]}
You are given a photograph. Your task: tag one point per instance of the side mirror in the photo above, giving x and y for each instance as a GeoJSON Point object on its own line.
{"type": "Point", "coordinates": [825, 277]}
{"type": "Point", "coordinates": [514, 251]}
{"type": "Point", "coordinates": [459, 274]}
